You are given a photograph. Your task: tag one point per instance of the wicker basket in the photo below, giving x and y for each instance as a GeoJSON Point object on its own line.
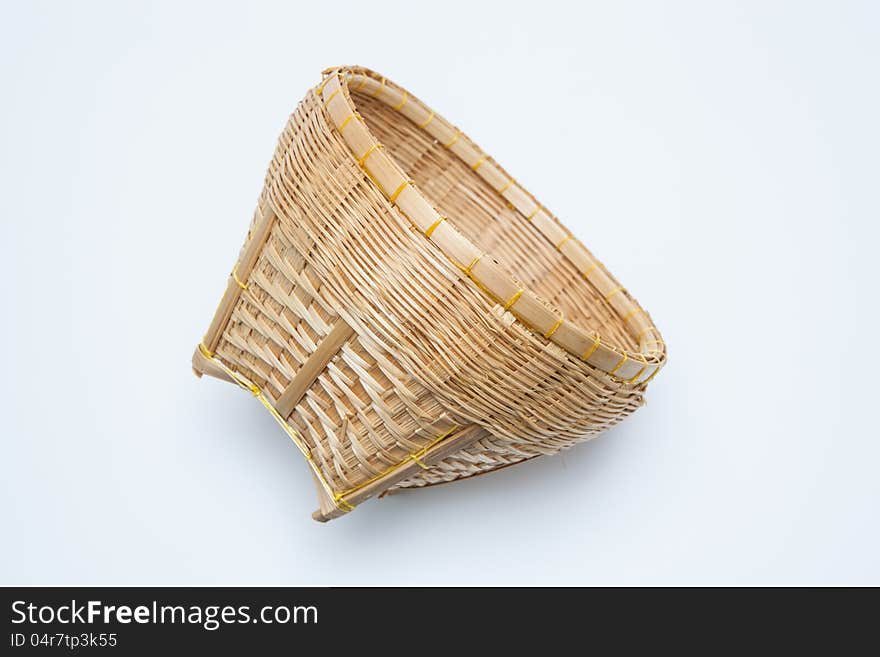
{"type": "Point", "coordinates": [408, 313]}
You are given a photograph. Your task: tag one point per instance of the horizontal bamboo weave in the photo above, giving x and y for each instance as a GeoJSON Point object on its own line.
{"type": "Point", "coordinates": [408, 313]}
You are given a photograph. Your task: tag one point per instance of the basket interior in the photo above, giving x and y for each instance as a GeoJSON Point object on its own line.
{"type": "Point", "coordinates": [485, 218]}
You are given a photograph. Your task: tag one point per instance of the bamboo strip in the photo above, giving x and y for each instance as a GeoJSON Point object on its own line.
{"type": "Point", "coordinates": [305, 377]}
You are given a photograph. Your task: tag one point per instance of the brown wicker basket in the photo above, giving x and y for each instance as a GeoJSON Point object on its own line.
{"type": "Point", "coordinates": [411, 315]}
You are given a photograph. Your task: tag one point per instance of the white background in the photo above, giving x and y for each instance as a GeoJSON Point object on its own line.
{"type": "Point", "coordinates": [721, 158]}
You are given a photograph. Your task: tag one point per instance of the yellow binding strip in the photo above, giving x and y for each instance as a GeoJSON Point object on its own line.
{"type": "Point", "coordinates": [554, 328]}
{"type": "Point", "coordinates": [653, 374]}
{"type": "Point", "coordinates": [611, 294]}
{"type": "Point", "coordinates": [620, 364]}
{"type": "Point", "coordinates": [399, 189]}
{"type": "Point", "coordinates": [563, 241]}
{"type": "Point", "coordinates": [332, 96]}
{"type": "Point", "coordinates": [237, 280]}
{"type": "Point", "coordinates": [433, 226]}
{"type": "Point", "coordinates": [400, 105]}
{"type": "Point", "coordinates": [379, 90]}
{"type": "Point", "coordinates": [467, 270]}
{"type": "Point", "coordinates": [592, 350]}
{"type": "Point", "coordinates": [639, 373]}
{"type": "Point", "coordinates": [513, 299]}
{"type": "Point", "coordinates": [362, 160]}
{"type": "Point", "coordinates": [589, 270]}
{"type": "Point", "coordinates": [320, 89]}
{"type": "Point", "coordinates": [353, 115]}
{"type": "Point", "coordinates": [454, 139]}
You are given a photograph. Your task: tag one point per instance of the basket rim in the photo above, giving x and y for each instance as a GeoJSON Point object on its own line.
{"type": "Point", "coordinates": [634, 368]}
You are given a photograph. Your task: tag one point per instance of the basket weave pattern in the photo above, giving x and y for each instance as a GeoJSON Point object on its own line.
{"type": "Point", "coordinates": [375, 312]}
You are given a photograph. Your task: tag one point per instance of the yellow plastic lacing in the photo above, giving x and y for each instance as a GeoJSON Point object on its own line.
{"type": "Point", "coordinates": [563, 241]}
{"type": "Point", "coordinates": [320, 89]}
{"type": "Point", "coordinates": [592, 350]}
{"type": "Point", "coordinates": [512, 300]}
{"type": "Point", "coordinates": [611, 294]}
{"type": "Point", "coordinates": [238, 281]}
{"type": "Point", "coordinates": [467, 270]}
{"type": "Point", "coordinates": [400, 105]}
{"type": "Point", "coordinates": [433, 226]}
{"type": "Point", "coordinates": [653, 374]}
{"type": "Point", "coordinates": [400, 188]}
{"type": "Point", "coordinates": [453, 140]}
{"type": "Point", "coordinates": [353, 115]}
{"type": "Point", "coordinates": [379, 90]}
{"type": "Point", "coordinates": [620, 364]}
{"type": "Point", "coordinates": [362, 160]}
{"type": "Point", "coordinates": [639, 373]}
{"type": "Point", "coordinates": [586, 273]}
{"type": "Point", "coordinates": [332, 96]}
{"type": "Point", "coordinates": [553, 328]}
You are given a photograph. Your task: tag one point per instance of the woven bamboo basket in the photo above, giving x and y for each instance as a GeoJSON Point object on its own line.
{"type": "Point", "coordinates": [408, 313]}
